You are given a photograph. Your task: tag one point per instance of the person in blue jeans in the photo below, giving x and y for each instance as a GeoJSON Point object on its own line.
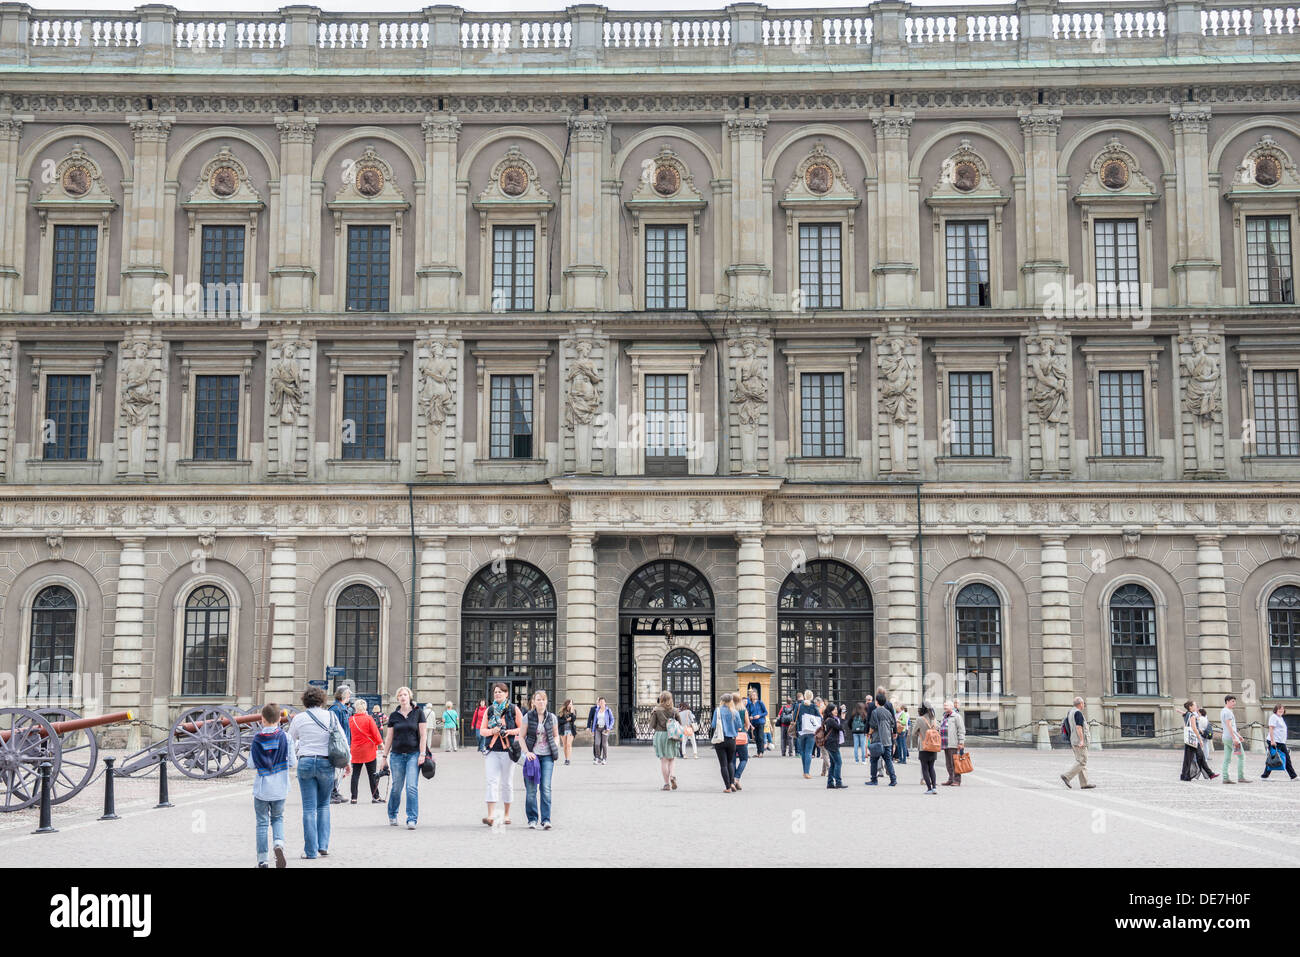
{"type": "Point", "coordinates": [404, 752]}
{"type": "Point", "coordinates": [310, 731]}
{"type": "Point", "coordinates": [742, 750]}
{"type": "Point", "coordinates": [807, 719]}
{"type": "Point", "coordinates": [833, 726]}
{"type": "Point", "coordinates": [883, 727]}
{"type": "Point", "coordinates": [271, 756]}
{"type": "Point", "coordinates": [758, 719]}
{"type": "Point", "coordinates": [541, 745]}
{"type": "Point", "coordinates": [859, 728]}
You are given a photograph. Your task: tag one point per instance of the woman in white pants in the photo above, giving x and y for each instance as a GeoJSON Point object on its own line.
{"type": "Point", "coordinates": [502, 725]}
{"type": "Point", "coordinates": [687, 720]}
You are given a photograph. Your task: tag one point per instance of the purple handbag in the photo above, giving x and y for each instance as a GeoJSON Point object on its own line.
{"type": "Point", "coordinates": [533, 770]}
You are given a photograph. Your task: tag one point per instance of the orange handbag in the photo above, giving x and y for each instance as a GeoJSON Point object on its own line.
{"type": "Point", "coordinates": [961, 763]}
{"type": "Point", "coordinates": [741, 738]}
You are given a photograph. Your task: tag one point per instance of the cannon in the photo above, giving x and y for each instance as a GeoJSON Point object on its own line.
{"type": "Point", "coordinates": [28, 738]}
{"type": "Point", "coordinates": [206, 741]}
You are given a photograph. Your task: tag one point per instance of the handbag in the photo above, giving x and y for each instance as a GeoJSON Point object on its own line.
{"type": "Point", "coordinates": [961, 763]}
{"type": "Point", "coordinates": [340, 755]}
{"type": "Point", "coordinates": [429, 768]}
{"type": "Point", "coordinates": [875, 749]}
{"type": "Point", "coordinates": [742, 739]}
{"type": "Point", "coordinates": [717, 737]}
{"type": "Point", "coordinates": [1275, 761]}
{"type": "Point", "coordinates": [675, 732]}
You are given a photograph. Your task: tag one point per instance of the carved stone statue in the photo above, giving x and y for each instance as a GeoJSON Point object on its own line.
{"type": "Point", "coordinates": [583, 401]}
{"type": "Point", "coordinates": [1049, 373]}
{"type": "Point", "coordinates": [751, 386]}
{"type": "Point", "coordinates": [137, 388]}
{"type": "Point", "coordinates": [1201, 397]}
{"type": "Point", "coordinates": [286, 384]}
{"type": "Point", "coordinates": [897, 376]}
{"type": "Point", "coordinates": [436, 397]}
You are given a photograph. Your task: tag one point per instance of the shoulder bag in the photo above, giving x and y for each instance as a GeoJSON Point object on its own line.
{"type": "Point", "coordinates": [340, 755]}
{"type": "Point", "coordinates": [961, 762]}
{"type": "Point", "coordinates": [717, 737]}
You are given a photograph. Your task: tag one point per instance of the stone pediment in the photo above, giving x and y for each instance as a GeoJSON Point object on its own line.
{"type": "Point", "coordinates": [666, 186]}
{"type": "Point", "coordinates": [1266, 171]}
{"type": "Point", "coordinates": [78, 184]}
{"type": "Point", "coordinates": [819, 183]}
{"type": "Point", "coordinates": [514, 185]}
{"type": "Point", "coordinates": [224, 182]}
{"type": "Point", "coordinates": [1115, 175]}
{"type": "Point", "coordinates": [965, 180]}
{"type": "Point", "coordinates": [369, 185]}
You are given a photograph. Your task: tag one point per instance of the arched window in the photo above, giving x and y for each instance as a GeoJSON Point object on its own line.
{"type": "Point", "coordinates": [979, 642]}
{"type": "Point", "coordinates": [1284, 641]}
{"type": "Point", "coordinates": [1133, 641]}
{"type": "Point", "coordinates": [356, 638]}
{"type": "Point", "coordinates": [205, 658]}
{"type": "Point", "coordinates": [824, 633]}
{"type": "Point", "coordinates": [507, 633]}
{"type": "Point", "coordinates": [683, 676]}
{"type": "Point", "coordinates": [53, 643]}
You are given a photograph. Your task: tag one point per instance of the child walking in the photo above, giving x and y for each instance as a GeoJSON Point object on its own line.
{"type": "Point", "coordinates": [272, 756]}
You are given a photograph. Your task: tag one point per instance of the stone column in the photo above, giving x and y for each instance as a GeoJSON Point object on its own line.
{"type": "Point", "coordinates": [1212, 610]}
{"type": "Point", "coordinates": [1058, 651]}
{"type": "Point", "coordinates": [432, 680]}
{"type": "Point", "coordinates": [896, 217]}
{"type": "Point", "coordinates": [580, 626]}
{"type": "Point", "coordinates": [905, 681]}
{"type": "Point", "coordinates": [126, 681]}
{"type": "Point", "coordinates": [439, 279]}
{"type": "Point", "coordinates": [1196, 270]}
{"type": "Point", "coordinates": [6, 404]}
{"type": "Point", "coordinates": [584, 273]}
{"type": "Point", "coordinates": [145, 229]}
{"type": "Point", "coordinates": [751, 601]}
{"type": "Point", "coordinates": [1045, 227]}
{"type": "Point", "coordinates": [749, 274]}
{"type": "Point", "coordinates": [292, 270]}
{"type": "Point", "coordinates": [283, 681]}
{"type": "Point", "coordinates": [11, 290]}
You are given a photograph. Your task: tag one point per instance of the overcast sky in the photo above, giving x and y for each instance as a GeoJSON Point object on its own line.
{"type": "Point", "coordinates": [394, 6]}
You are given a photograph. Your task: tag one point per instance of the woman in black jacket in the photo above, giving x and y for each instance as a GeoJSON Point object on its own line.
{"type": "Point", "coordinates": [832, 725]}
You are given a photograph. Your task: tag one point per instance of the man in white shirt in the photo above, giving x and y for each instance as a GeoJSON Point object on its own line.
{"type": "Point", "coordinates": [1232, 743]}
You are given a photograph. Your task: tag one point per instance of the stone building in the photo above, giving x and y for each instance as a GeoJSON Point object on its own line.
{"type": "Point", "coordinates": [603, 354]}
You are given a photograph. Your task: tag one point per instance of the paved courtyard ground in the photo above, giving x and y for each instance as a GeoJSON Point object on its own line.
{"type": "Point", "coordinates": [1012, 811]}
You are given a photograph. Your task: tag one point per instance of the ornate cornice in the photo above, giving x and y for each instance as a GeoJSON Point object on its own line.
{"type": "Point", "coordinates": [892, 124]}
{"type": "Point", "coordinates": [150, 129]}
{"type": "Point", "coordinates": [296, 130]}
{"type": "Point", "coordinates": [1189, 120]}
{"type": "Point", "coordinates": [589, 129]}
{"type": "Point", "coordinates": [747, 127]}
{"type": "Point", "coordinates": [440, 129]}
{"type": "Point", "coordinates": [1040, 124]}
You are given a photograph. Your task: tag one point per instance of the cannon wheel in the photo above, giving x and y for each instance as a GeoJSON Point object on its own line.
{"type": "Point", "coordinates": [212, 749]}
{"type": "Point", "coordinates": [31, 741]}
{"type": "Point", "coordinates": [80, 755]}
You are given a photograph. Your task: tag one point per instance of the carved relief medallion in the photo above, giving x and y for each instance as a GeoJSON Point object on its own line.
{"type": "Point", "coordinates": [370, 180]}
{"type": "Point", "coordinates": [819, 178]}
{"type": "Point", "coordinates": [225, 181]}
{"type": "Point", "coordinates": [1114, 174]}
{"type": "Point", "coordinates": [667, 180]}
{"type": "Point", "coordinates": [514, 181]}
{"type": "Point", "coordinates": [965, 176]}
{"type": "Point", "coordinates": [76, 180]}
{"type": "Point", "coordinates": [1268, 169]}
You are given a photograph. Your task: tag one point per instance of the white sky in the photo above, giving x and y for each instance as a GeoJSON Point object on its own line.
{"type": "Point", "coordinates": [215, 7]}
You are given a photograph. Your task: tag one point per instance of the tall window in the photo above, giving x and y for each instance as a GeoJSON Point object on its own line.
{"type": "Point", "coordinates": [1123, 413]}
{"type": "Point", "coordinates": [1268, 259]}
{"type": "Point", "coordinates": [512, 417]}
{"type": "Point", "coordinates": [66, 428]}
{"type": "Point", "coordinates": [216, 417]}
{"type": "Point", "coordinates": [665, 425]}
{"type": "Point", "coordinates": [819, 265]}
{"type": "Point", "coordinates": [968, 263]}
{"type": "Point", "coordinates": [1133, 641]}
{"type": "Point", "coordinates": [1277, 412]}
{"type": "Point", "coordinates": [1284, 641]}
{"type": "Point", "coordinates": [512, 268]}
{"type": "Point", "coordinates": [222, 269]}
{"type": "Point", "coordinates": [979, 642]}
{"type": "Point", "coordinates": [824, 633]}
{"type": "Point", "coordinates": [1116, 246]}
{"type": "Point", "coordinates": [206, 657]}
{"type": "Point", "coordinates": [54, 637]}
{"type": "Point", "coordinates": [970, 409]}
{"type": "Point", "coordinates": [369, 251]}
{"type": "Point", "coordinates": [507, 626]}
{"type": "Point", "coordinates": [74, 268]}
{"type": "Point", "coordinates": [665, 267]}
{"type": "Point", "coordinates": [822, 413]}
{"type": "Point", "coordinates": [356, 637]}
{"type": "Point", "coordinates": [683, 676]}
{"type": "Point", "coordinates": [365, 416]}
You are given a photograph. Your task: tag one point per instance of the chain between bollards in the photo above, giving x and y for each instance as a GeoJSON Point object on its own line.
{"type": "Point", "coordinates": [162, 783]}
{"type": "Point", "coordinates": [45, 826]}
{"type": "Point", "coordinates": [110, 802]}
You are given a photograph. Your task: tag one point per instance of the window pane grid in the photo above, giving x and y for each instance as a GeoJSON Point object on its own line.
{"type": "Point", "coordinates": [356, 637]}
{"type": "Point", "coordinates": [1284, 641]}
{"type": "Point", "coordinates": [67, 417]}
{"type": "Point", "coordinates": [1123, 413]}
{"type": "Point", "coordinates": [511, 417]}
{"type": "Point", "coordinates": [967, 245]}
{"type": "Point", "coordinates": [1118, 280]}
{"type": "Point", "coordinates": [513, 265]}
{"type": "Point", "coordinates": [53, 643]}
{"type": "Point", "coordinates": [970, 409]}
{"type": "Point", "coordinates": [365, 416]}
{"type": "Point", "coordinates": [820, 265]}
{"type": "Point", "coordinates": [368, 268]}
{"type": "Point", "coordinates": [207, 640]}
{"type": "Point", "coordinates": [222, 268]}
{"type": "Point", "coordinates": [822, 419]}
{"type": "Point", "coordinates": [74, 268]}
{"type": "Point", "coordinates": [216, 417]}
{"type": "Point", "coordinates": [1268, 259]}
{"type": "Point", "coordinates": [665, 414]}
{"type": "Point", "coordinates": [665, 267]}
{"type": "Point", "coordinates": [979, 642]}
{"type": "Point", "coordinates": [1277, 412]}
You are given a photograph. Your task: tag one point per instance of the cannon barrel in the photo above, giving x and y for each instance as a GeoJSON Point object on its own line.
{"type": "Point", "coordinates": [81, 724]}
{"type": "Point", "coordinates": [192, 726]}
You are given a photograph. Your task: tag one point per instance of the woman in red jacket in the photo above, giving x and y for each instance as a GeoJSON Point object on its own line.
{"type": "Point", "coordinates": [477, 723]}
{"type": "Point", "coordinates": [365, 742]}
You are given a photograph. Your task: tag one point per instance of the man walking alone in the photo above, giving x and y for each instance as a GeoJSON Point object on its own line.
{"type": "Point", "coordinates": [1232, 743]}
{"type": "Point", "coordinates": [1079, 744]}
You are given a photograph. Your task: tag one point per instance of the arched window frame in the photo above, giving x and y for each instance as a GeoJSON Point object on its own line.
{"type": "Point", "coordinates": [1265, 634]}
{"type": "Point", "coordinates": [686, 654]}
{"type": "Point", "coordinates": [78, 693]}
{"type": "Point", "coordinates": [178, 632]}
{"type": "Point", "coordinates": [1005, 606]}
{"type": "Point", "coordinates": [867, 613]}
{"type": "Point", "coordinates": [331, 624]}
{"type": "Point", "coordinates": [1162, 633]}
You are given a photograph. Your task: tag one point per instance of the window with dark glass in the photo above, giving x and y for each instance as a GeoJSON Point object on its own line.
{"type": "Point", "coordinates": [369, 267]}
{"type": "Point", "coordinates": [825, 632]}
{"type": "Point", "coordinates": [356, 638]}
{"type": "Point", "coordinates": [1137, 724]}
{"type": "Point", "coordinates": [1123, 413]}
{"type": "Point", "coordinates": [968, 263]}
{"type": "Point", "coordinates": [66, 427]}
{"type": "Point", "coordinates": [365, 416]}
{"type": "Point", "coordinates": [665, 425]}
{"type": "Point", "coordinates": [1284, 641]}
{"type": "Point", "coordinates": [1116, 246]}
{"type": "Point", "coordinates": [683, 676]}
{"type": "Point", "coordinates": [1277, 411]}
{"type": "Point", "coordinates": [665, 267]}
{"type": "Point", "coordinates": [222, 269]}
{"type": "Point", "coordinates": [511, 417]}
{"type": "Point", "coordinates": [970, 409]}
{"type": "Point", "coordinates": [1268, 259]}
{"type": "Point", "coordinates": [1133, 641]}
{"type": "Point", "coordinates": [53, 643]}
{"type": "Point", "coordinates": [206, 656]}
{"type": "Point", "coordinates": [512, 268]}
{"type": "Point", "coordinates": [216, 417]}
{"type": "Point", "coordinates": [74, 268]}
{"type": "Point", "coordinates": [821, 404]}
{"type": "Point", "coordinates": [979, 642]}
{"type": "Point", "coordinates": [508, 625]}
{"type": "Point", "coordinates": [819, 266]}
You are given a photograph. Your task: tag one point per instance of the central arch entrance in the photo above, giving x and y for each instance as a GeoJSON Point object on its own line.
{"type": "Point", "coordinates": [666, 617]}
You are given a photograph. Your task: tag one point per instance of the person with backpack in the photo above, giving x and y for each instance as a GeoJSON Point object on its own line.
{"type": "Point", "coordinates": [1194, 763]}
{"type": "Point", "coordinates": [807, 719]}
{"type": "Point", "coordinates": [1277, 744]}
{"type": "Point", "coordinates": [1075, 731]}
{"type": "Point", "coordinates": [785, 721]}
{"type": "Point", "coordinates": [928, 746]}
{"type": "Point", "coordinates": [667, 733]}
{"type": "Point", "coordinates": [859, 728]}
{"type": "Point", "coordinates": [832, 728]}
{"type": "Point", "coordinates": [726, 725]}
{"type": "Point", "coordinates": [404, 752]}
{"type": "Point", "coordinates": [1207, 733]}
{"type": "Point", "coordinates": [952, 737]}
{"type": "Point", "coordinates": [311, 730]}
{"type": "Point", "coordinates": [884, 725]}
{"type": "Point", "coordinates": [271, 756]}
{"type": "Point", "coordinates": [502, 726]}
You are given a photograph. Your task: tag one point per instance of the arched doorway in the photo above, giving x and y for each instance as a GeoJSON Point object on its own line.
{"type": "Point", "coordinates": [684, 677]}
{"type": "Point", "coordinates": [507, 634]}
{"type": "Point", "coordinates": [666, 606]}
{"type": "Point", "coordinates": [825, 633]}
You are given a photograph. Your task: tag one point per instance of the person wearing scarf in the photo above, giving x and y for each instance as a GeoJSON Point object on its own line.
{"type": "Point", "coordinates": [271, 758]}
{"type": "Point", "coordinates": [502, 724]}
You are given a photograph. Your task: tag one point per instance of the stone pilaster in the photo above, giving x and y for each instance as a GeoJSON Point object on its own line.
{"type": "Point", "coordinates": [1212, 612]}
{"type": "Point", "coordinates": [751, 601]}
{"type": "Point", "coordinates": [126, 681]}
{"type": "Point", "coordinates": [1196, 268]}
{"type": "Point", "coordinates": [895, 232]}
{"type": "Point", "coordinates": [283, 680]}
{"type": "Point", "coordinates": [585, 272]}
{"type": "Point", "coordinates": [293, 274]}
{"type": "Point", "coordinates": [1044, 255]}
{"type": "Point", "coordinates": [439, 282]}
{"type": "Point", "coordinates": [11, 292]}
{"type": "Point", "coordinates": [6, 404]}
{"type": "Point", "coordinates": [1058, 651]}
{"type": "Point", "coordinates": [580, 625]}
{"type": "Point", "coordinates": [431, 675]}
{"type": "Point", "coordinates": [905, 681]}
{"type": "Point", "coordinates": [145, 230]}
{"type": "Point", "coordinates": [749, 273]}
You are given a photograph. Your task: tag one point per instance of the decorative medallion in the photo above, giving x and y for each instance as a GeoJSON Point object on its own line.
{"type": "Point", "coordinates": [1114, 173]}
{"type": "Point", "coordinates": [667, 179]}
{"type": "Point", "coordinates": [965, 176]}
{"type": "Point", "coordinates": [514, 180]}
{"type": "Point", "coordinates": [819, 178]}
{"type": "Point", "coordinates": [76, 180]}
{"type": "Point", "coordinates": [1268, 169]}
{"type": "Point", "coordinates": [224, 181]}
{"type": "Point", "coordinates": [370, 180]}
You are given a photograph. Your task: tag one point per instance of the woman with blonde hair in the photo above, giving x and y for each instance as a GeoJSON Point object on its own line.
{"type": "Point", "coordinates": [662, 719]}
{"type": "Point", "coordinates": [726, 725]}
{"type": "Point", "coordinates": [405, 742]}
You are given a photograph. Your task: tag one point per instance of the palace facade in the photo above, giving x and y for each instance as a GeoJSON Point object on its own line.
{"type": "Point", "coordinates": [605, 353]}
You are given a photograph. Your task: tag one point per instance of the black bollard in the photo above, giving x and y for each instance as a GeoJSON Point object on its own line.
{"type": "Point", "coordinates": [46, 827]}
{"type": "Point", "coordinates": [110, 803]}
{"type": "Point", "coordinates": [162, 783]}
